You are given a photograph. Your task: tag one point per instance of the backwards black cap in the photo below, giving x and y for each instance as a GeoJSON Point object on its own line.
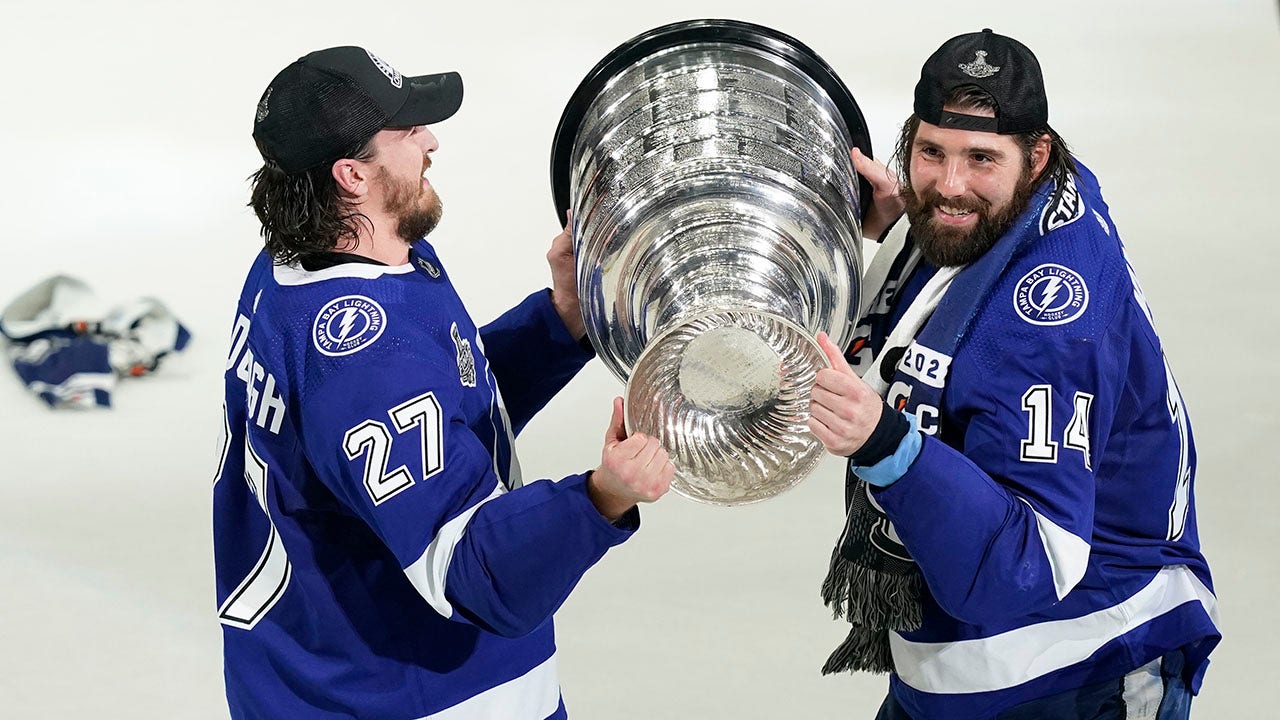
{"type": "Point", "coordinates": [1000, 65]}
{"type": "Point", "coordinates": [332, 101]}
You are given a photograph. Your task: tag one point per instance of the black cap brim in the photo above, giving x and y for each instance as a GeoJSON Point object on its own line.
{"type": "Point", "coordinates": [432, 98]}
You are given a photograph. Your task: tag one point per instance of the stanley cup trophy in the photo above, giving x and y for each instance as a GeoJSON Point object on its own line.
{"type": "Point", "coordinates": [716, 231]}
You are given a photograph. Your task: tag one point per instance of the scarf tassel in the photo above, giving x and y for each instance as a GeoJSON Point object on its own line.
{"type": "Point", "coordinates": [874, 602]}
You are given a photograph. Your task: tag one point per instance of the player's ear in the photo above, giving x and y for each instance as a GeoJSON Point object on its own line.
{"type": "Point", "coordinates": [1040, 155]}
{"type": "Point", "coordinates": [352, 177]}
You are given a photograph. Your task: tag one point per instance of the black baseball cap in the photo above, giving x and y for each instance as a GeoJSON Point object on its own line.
{"type": "Point", "coordinates": [328, 103]}
{"type": "Point", "coordinates": [1000, 65]}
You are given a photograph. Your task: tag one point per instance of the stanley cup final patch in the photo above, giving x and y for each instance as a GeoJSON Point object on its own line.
{"type": "Point", "coordinates": [348, 324]}
{"type": "Point", "coordinates": [979, 67]}
{"type": "Point", "coordinates": [466, 358]}
{"type": "Point", "coordinates": [1051, 295]}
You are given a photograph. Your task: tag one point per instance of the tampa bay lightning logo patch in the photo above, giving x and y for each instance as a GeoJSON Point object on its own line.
{"type": "Point", "coordinates": [348, 324]}
{"type": "Point", "coordinates": [1051, 295]}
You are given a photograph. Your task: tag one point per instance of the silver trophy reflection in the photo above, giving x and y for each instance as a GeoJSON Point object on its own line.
{"type": "Point", "coordinates": [716, 231]}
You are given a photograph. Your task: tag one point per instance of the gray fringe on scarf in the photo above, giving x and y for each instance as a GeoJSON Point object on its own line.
{"type": "Point", "coordinates": [871, 590]}
{"type": "Point", "coordinates": [873, 603]}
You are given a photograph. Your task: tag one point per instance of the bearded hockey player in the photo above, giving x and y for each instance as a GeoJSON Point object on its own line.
{"type": "Point", "coordinates": [378, 554]}
{"type": "Point", "coordinates": [1021, 536]}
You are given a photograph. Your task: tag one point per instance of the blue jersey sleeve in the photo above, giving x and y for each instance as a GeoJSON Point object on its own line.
{"type": "Point", "coordinates": [525, 551]}
{"type": "Point", "coordinates": [1000, 518]}
{"type": "Point", "coordinates": [532, 355]}
{"type": "Point", "coordinates": [398, 441]}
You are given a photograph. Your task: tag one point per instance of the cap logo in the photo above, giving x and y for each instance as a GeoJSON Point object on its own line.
{"type": "Point", "coordinates": [263, 111]}
{"type": "Point", "coordinates": [392, 74]}
{"type": "Point", "coordinates": [979, 67]}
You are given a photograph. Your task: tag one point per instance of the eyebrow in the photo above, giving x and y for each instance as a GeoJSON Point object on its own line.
{"type": "Point", "coordinates": [972, 150]}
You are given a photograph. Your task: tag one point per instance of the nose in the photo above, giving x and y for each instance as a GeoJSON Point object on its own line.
{"type": "Point", "coordinates": [953, 182]}
{"type": "Point", "coordinates": [428, 139]}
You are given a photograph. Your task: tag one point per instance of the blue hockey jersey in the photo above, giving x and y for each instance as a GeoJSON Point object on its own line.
{"type": "Point", "coordinates": [377, 553]}
{"type": "Point", "coordinates": [1050, 508]}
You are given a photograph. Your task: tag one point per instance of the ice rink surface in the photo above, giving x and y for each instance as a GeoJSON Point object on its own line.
{"type": "Point", "coordinates": [126, 146]}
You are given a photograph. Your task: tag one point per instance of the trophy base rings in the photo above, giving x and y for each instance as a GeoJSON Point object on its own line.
{"type": "Point", "coordinates": [727, 394]}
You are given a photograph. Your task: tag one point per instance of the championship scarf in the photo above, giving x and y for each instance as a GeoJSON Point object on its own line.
{"type": "Point", "coordinates": [873, 583]}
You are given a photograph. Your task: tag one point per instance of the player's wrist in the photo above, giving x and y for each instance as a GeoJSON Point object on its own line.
{"type": "Point", "coordinates": [884, 439]}
{"type": "Point", "coordinates": [611, 506]}
{"type": "Point", "coordinates": [570, 312]}
{"type": "Point", "coordinates": [892, 467]}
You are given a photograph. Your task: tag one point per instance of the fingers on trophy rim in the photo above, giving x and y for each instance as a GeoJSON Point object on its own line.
{"type": "Point", "coordinates": [617, 422]}
{"type": "Point", "coordinates": [826, 416]}
{"type": "Point", "coordinates": [823, 432]}
{"type": "Point", "coordinates": [649, 452]}
{"type": "Point", "coordinates": [824, 390]}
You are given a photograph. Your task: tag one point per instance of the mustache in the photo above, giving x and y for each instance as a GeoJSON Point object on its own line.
{"type": "Point", "coordinates": [426, 163]}
{"type": "Point", "coordinates": [929, 197]}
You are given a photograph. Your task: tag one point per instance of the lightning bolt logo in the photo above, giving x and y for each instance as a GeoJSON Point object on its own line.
{"type": "Point", "coordinates": [344, 325]}
{"type": "Point", "coordinates": [1051, 287]}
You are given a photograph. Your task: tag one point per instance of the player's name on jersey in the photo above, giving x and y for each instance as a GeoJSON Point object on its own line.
{"type": "Point", "coordinates": [266, 406]}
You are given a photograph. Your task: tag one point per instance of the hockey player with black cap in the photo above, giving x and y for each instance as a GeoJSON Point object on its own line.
{"type": "Point", "coordinates": [1021, 538]}
{"type": "Point", "coordinates": [377, 553]}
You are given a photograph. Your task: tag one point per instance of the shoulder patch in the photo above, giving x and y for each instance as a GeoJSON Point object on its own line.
{"type": "Point", "coordinates": [1051, 294]}
{"type": "Point", "coordinates": [1065, 206]}
{"type": "Point", "coordinates": [428, 267]}
{"type": "Point", "coordinates": [466, 359]}
{"type": "Point", "coordinates": [348, 324]}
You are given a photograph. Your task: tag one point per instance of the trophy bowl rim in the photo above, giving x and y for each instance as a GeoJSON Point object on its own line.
{"type": "Point", "coordinates": [695, 31]}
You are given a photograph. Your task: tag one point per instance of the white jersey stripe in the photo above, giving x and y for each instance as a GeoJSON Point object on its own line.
{"type": "Point", "coordinates": [1068, 554]}
{"type": "Point", "coordinates": [1026, 653]}
{"type": "Point", "coordinates": [532, 696]}
{"type": "Point", "coordinates": [429, 571]}
{"type": "Point", "coordinates": [515, 478]}
{"type": "Point", "coordinates": [81, 383]}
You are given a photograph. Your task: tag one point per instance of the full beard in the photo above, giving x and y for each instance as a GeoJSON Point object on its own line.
{"type": "Point", "coordinates": [947, 246]}
{"type": "Point", "coordinates": [417, 210]}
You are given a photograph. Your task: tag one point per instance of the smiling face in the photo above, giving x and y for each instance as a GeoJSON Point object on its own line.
{"type": "Point", "coordinates": [966, 187]}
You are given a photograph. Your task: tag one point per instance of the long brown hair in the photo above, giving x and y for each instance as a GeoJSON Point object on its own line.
{"type": "Point", "coordinates": [303, 213]}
